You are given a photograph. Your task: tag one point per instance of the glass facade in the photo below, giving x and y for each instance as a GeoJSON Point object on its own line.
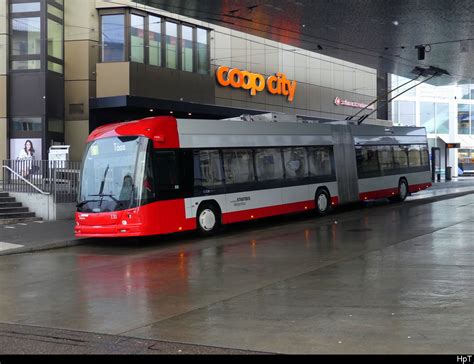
{"type": "Point", "coordinates": [463, 119]}
{"type": "Point", "coordinates": [55, 39]}
{"type": "Point", "coordinates": [187, 52]}
{"type": "Point", "coordinates": [466, 159]}
{"type": "Point", "coordinates": [54, 11]}
{"type": "Point", "coordinates": [398, 81]}
{"type": "Point", "coordinates": [55, 36]}
{"type": "Point", "coordinates": [26, 7]}
{"type": "Point", "coordinates": [442, 118]}
{"type": "Point", "coordinates": [27, 35]}
{"type": "Point", "coordinates": [427, 116]}
{"type": "Point", "coordinates": [36, 40]}
{"type": "Point", "coordinates": [404, 112]}
{"type": "Point", "coordinates": [447, 114]}
{"type": "Point", "coordinates": [171, 45]}
{"type": "Point", "coordinates": [154, 40]}
{"type": "Point", "coordinates": [202, 51]}
{"type": "Point", "coordinates": [26, 41]}
{"type": "Point", "coordinates": [27, 124]}
{"type": "Point", "coordinates": [113, 38]}
{"type": "Point", "coordinates": [137, 38]}
{"type": "Point", "coordinates": [434, 117]}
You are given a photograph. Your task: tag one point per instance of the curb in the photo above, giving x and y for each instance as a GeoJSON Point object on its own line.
{"type": "Point", "coordinates": [48, 246]}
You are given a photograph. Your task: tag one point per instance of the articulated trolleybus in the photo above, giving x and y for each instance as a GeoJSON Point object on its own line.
{"type": "Point", "coordinates": [161, 175]}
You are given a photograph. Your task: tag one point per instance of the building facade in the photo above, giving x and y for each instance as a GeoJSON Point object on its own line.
{"type": "Point", "coordinates": [446, 112]}
{"type": "Point", "coordinates": [68, 66]}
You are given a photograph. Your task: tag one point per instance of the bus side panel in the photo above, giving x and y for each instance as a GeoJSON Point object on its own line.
{"type": "Point", "coordinates": [332, 188]}
{"type": "Point", "coordinates": [197, 201]}
{"type": "Point", "coordinates": [249, 205]}
{"type": "Point", "coordinates": [419, 181]}
{"type": "Point", "coordinates": [294, 199]}
{"type": "Point", "coordinates": [387, 186]}
{"type": "Point", "coordinates": [296, 194]}
{"type": "Point", "coordinates": [239, 206]}
{"type": "Point", "coordinates": [259, 213]}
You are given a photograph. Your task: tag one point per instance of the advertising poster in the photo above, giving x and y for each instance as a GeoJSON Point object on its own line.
{"type": "Point", "coordinates": [26, 149]}
{"type": "Point", "coordinates": [26, 154]}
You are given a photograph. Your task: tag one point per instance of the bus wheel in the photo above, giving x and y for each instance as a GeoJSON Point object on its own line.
{"type": "Point", "coordinates": [402, 191]}
{"type": "Point", "coordinates": [323, 202]}
{"type": "Point", "coordinates": [208, 219]}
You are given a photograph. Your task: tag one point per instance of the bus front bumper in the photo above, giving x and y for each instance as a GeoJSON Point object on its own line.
{"type": "Point", "coordinates": [112, 231]}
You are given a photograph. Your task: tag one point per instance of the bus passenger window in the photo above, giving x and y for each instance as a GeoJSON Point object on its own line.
{"type": "Point", "coordinates": [269, 164]}
{"type": "Point", "coordinates": [296, 162]}
{"type": "Point", "coordinates": [414, 156]}
{"type": "Point", "coordinates": [208, 170]}
{"type": "Point", "coordinates": [425, 156]}
{"type": "Point", "coordinates": [239, 166]}
{"type": "Point", "coordinates": [367, 162]}
{"type": "Point", "coordinates": [386, 158]}
{"type": "Point", "coordinates": [400, 156]}
{"type": "Point", "coordinates": [320, 163]}
{"type": "Point", "coordinates": [166, 171]}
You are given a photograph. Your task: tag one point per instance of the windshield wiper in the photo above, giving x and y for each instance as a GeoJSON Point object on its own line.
{"type": "Point", "coordinates": [83, 203]}
{"type": "Point", "coordinates": [102, 184]}
{"type": "Point", "coordinates": [102, 195]}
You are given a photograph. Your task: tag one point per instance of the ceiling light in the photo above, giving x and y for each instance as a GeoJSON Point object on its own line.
{"type": "Point", "coordinates": [396, 23]}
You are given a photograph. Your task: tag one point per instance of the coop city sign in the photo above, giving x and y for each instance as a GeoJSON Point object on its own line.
{"type": "Point", "coordinates": [255, 82]}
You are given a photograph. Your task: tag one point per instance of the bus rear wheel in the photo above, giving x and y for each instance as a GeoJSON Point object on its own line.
{"type": "Point", "coordinates": [208, 220]}
{"type": "Point", "coordinates": [323, 202]}
{"type": "Point", "coordinates": [402, 191]}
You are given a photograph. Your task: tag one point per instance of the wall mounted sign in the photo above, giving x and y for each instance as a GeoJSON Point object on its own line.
{"type": "Point", "coordinates": [453, 145]}
{"type": "Point", "coordinates": [358, 105]}
{"type": "Point", "coordinates": [255, 82]}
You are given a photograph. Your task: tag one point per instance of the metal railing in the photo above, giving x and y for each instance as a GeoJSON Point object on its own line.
{"type": "Point", "coordinates": [57, 178]}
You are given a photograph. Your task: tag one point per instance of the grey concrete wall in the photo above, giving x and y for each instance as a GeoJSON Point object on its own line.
{"type": "Point", "coordinates": [44, 206]}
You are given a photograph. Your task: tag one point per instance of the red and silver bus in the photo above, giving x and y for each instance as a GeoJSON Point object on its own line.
{"type": "Point", "coordinates": [161, 175]}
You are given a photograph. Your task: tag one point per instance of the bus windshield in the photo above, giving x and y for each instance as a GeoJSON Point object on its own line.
{"type": "Point", "coordinates": [113, 173]}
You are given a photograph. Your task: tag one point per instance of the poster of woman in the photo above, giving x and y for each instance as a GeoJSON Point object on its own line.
{"type": "Point", "coordinates": [27, 154]}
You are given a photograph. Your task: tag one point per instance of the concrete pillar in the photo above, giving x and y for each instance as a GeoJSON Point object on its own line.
{"type": "Point", "coordinates": [453, 136]}
{"type": "Point", "coordinates": [81, 56]}
{"type": "Point", "coordinates": [3, 79]}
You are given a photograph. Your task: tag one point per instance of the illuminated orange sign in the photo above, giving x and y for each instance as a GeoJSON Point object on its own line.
{"type": "Point", "coordinates": [255, 82]}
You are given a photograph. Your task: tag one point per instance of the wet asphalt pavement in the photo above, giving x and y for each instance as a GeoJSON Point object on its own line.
{"type": "Point", "coordinates": [391, 278]}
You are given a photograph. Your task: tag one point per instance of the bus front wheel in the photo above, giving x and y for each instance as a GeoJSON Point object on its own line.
{"type": "Point", "coordinates": [208, 220]}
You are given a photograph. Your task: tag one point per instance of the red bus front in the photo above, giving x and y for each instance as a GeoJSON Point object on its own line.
{"type": "Point", "coordinates": [120, 190]}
